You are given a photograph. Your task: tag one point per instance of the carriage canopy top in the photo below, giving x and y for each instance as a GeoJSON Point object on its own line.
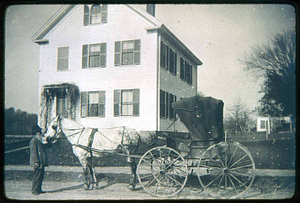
{"type": "Point", "coordinates": [202, 116]}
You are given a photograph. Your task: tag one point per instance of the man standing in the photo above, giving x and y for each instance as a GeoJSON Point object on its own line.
{"type": "Point", "coordinates": [38, 158]}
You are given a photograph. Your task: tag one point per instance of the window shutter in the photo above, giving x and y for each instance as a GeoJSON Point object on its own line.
{"type": "Point", "coordinates": [171, 107]}
{"type": "Point", "coordinates": [85, 56]}
{"type": "Point", "coordinates": [137, 52]}
{"type": "Point", "coordinates": [191, 74]}
{"type": "Point", "coordinates": [162, 104]}
{"type": "Point", "coordinates": [86, 16]}
{"type": "Point", "coordinates": [168, 58]}
{"type": "Point", "coordinates": [162, 55]}
{"type": "Point", "coordinates": [84, 104]}
{"type": "Point", "coordinates": [182, 71]}
{"type": "Point", "coordinates": [104, 13]}
{"type": "Point", "coordinates": [117, 102]}
{"type": "Point", "coordinates": [136, 102]}
{"type": "Point", "coordinates": [167, 105]}
{"type": "Point", "coordinates": [103, 55]}
{"type": "Point", "coordinates": [117, 53]}
{"type": "Point", "coordinates": [101, 103]}
{"type": "Point", "coordinates": [175, 65]}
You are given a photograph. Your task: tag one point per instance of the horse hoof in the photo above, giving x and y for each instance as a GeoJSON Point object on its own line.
{"type": "Point", "coordinates": [131, 187]}
{"type": "Point", "coordinates": [86, 187]}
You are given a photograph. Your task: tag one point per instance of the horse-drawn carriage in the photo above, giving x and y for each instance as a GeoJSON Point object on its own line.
{"type": "Point", "coordinates": [170, 157]}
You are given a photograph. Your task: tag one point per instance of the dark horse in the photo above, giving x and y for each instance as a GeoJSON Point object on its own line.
{"type": "Point", "coordinates": [88, 143]}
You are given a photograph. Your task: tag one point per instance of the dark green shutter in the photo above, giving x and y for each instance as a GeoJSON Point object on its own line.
{"type": "Point", "coordinates": [117, 53]}
{"type": "Point", "coordinates": [84, 104]}
{"type": "Point", "coordinates": [137, 52]}
{"type": "Point", "coordinates": [136, 102]}
{"type": "Point", "coordinates": [85, 56]}
{"type": "Point", "coordinates": [101, 104]}
{"type": "Point", "coordinates": [162, 54]}
{"type": "Point", "coordinates": [117, 101]}
{"type": "Point", "coordinates": [103, 55]}
{"type": "Point", "coordinates": [182, 71]}
{"type": "Point", "coordinates": [162, 104]}
{"type": "Point", "coordinates": [104, 13]}
{"type": "Point", "coordinates": [86, 17]}
{"type": "Point", "coordinates": [175, 65]}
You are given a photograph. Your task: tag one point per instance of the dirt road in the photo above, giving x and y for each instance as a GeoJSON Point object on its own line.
{"type": "Point", "coordinates": [66, 183]}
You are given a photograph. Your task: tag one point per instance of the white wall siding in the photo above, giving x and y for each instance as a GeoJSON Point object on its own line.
{"type": "Point", "coordinates": [122, 25]}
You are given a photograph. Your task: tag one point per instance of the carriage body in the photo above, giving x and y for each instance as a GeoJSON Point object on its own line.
{"type": "Point", "coordinates": [220, 166]}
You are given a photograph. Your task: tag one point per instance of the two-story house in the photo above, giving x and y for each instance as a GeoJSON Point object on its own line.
{"type": "Point", "coordinates": [112, 65]}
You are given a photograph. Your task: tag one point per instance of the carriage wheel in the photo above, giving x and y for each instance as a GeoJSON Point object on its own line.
{"type": "Point", "coordinates": [226, 168]}
{"type": "Point", "coordinates": [162, 172]}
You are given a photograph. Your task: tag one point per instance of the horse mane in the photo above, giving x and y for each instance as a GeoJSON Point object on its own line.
{"type": "Point", "coordinates": [69, 124]}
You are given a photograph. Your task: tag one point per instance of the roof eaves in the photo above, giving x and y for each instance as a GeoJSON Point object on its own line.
{"type": "Point", "coordinates": [145, 15]}
{"type": "Point", "coordinates": [40, 35]}
{"type": "Point", "coordinates": [192, 56]}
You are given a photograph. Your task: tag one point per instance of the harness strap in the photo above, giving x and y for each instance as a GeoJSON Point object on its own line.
{"type": "Point", "coordinates": [91, 140]}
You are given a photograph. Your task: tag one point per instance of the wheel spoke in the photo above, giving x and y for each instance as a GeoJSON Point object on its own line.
{"type": "Point", "coordinates": [146, 176]}
{"type": "Point", "coordinates": [220, 181]}
{"type": "Point", "coordinates": [233, 184]}
{"type": "Point", "coordinates": [238, 160]}
{"type": "Point", "coordinates": [239, 167]}
{"type": "Point", "coordinates": [243, 184]}
{"type": "Point", "coordinates": [231, 158]}
{"type": "Point", "coordinates": [174, 180]}
{"type": "Point", "coordinates": [147, 162]}
{"type": "Point", "coordinates": [213, 180]}
{"type": "Point", "coordinates": [213, 160]}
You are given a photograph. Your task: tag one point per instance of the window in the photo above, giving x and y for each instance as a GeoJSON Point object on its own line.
{"type": "Point", "coordinates": [62, 103]}
{"type": "Point", "coordinates": [168, 58]}
{"type": "Point", "coordinates": [63, 58]}
{"type": "Point", "coordinates": [128, 53]}
{"type": "Point", "coordinates": [95, 14]}
{"type": "Point", "coordinates": [93, 104]}
{"type": "Point", "coordinates": [94, 55]}
{"type": "Point", "coordinates": [166, 108]}
{"type": "Point", "coordinates": [186, 73]}
{"type": "Point", "coordinates": [126, 102]}
{"type": "Point", "coordinates": [172, 99]}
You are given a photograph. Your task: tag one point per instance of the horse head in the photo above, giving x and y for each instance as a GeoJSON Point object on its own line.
{"type": "Point", "coordinates": [54, 130]}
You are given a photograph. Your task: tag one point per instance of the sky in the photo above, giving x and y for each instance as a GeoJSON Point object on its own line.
{"type": "Point", "coordinates": [217, 34]}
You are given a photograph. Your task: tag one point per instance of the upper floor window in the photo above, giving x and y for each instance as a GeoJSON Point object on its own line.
{"type": "Point", "coordinates": [168, 58]}
{"type": "Point", "coordinates": [94, 55]}
{"type": "Point", "coordinates": [95, 14]}
{"type": "Point", "coordinates": [166, 108]}
{"type": "Point", "coordinates": [127, 52]}
{"type": "Point", "coordinates": [186, 71]}
{"type": "Point", "coordinates": [127, 102]}
{"type": "Point", "coordinates": [63, 58]}
{"type": "Point", "coordinates": [93, 104]}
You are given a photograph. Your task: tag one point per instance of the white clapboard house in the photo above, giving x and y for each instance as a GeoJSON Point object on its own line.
{"type": "Point", "coordinates": [112, 65]}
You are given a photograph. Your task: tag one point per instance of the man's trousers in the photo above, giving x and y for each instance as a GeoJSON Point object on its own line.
{"type": "Point", "coordinates": [38, 177]}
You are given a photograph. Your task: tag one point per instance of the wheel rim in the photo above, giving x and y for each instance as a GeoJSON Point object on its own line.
{"type": "Point", "coordinates": [226, 168]}
{"type": "Point", "coordinates": [162, 172]}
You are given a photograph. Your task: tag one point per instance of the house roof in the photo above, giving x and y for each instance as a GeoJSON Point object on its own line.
{"type": "Point", "coordinates": [41, 35]}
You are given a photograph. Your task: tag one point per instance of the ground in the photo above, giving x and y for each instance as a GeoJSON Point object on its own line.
{"type": "Point", "coordinates": [65, 183]}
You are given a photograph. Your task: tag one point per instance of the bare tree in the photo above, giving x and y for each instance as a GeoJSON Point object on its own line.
{"type": "Point", "coordinates": [237, 120]}
{"type": "Point", "coordinates": [275, 62]}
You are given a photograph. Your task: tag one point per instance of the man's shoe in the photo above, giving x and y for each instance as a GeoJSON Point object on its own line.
{"type": "Point", "coordinates": [35, 193]}
{"type": "Point", "coordinates": [41, 192]}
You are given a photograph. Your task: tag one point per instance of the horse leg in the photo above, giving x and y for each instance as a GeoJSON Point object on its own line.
{"type": "Point", "coordinates": [133, 166]}
{"type": "Point", "coordinates": [86, 173]}
{"type": "Point", "coordinates": [92, 171]}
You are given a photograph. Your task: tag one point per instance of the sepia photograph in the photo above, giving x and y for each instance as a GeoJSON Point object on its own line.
{"type": "Point", "coordinates": [150, 101]}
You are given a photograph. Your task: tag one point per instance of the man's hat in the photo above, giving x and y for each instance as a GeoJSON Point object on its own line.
{"type": "Point", "coordinates": [36, 129]}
